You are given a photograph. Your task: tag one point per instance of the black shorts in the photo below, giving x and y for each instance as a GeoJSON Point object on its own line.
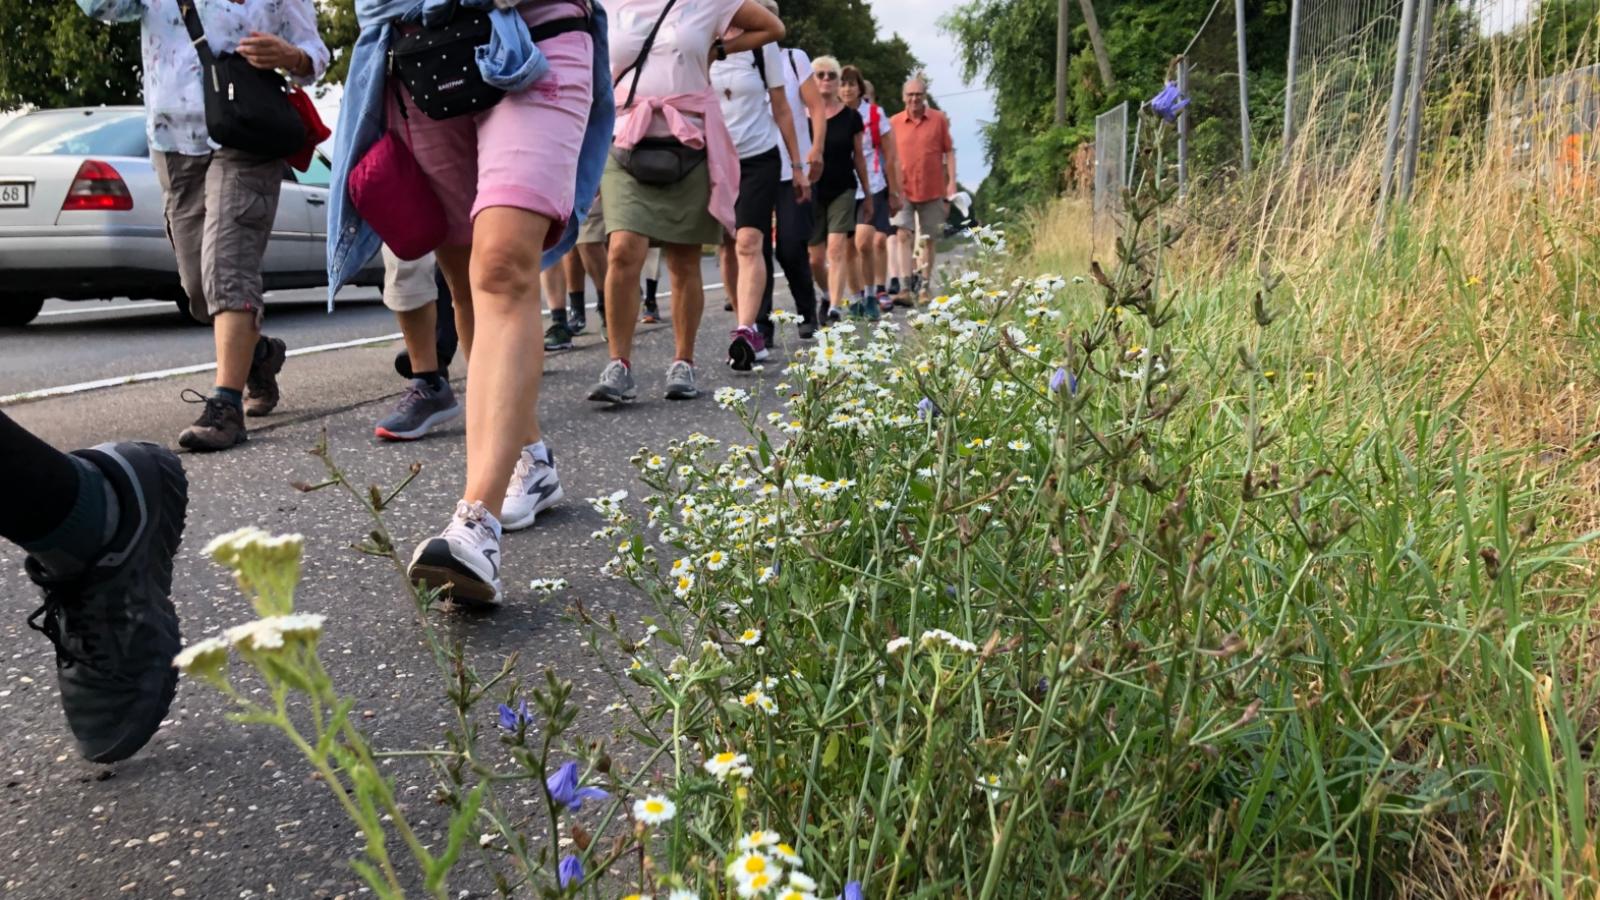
{"type": "Point", "coordinates": [880, 212]}
{"type": "Point", "coordinates": [758, 191]}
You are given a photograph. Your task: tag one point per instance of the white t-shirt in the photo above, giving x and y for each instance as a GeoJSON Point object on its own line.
{"type": "Point", "coordinates": [678, 59]}
{"type": "Point", "coordinates": [876, 173]}
{"type": "Point", "coordinates": [745, 103]}
{"type": "Point", "coordinates": [796, 69]}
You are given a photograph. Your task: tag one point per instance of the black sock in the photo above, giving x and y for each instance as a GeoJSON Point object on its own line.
{"type": "Point", "coordinates": [229, 396]}
{"type": "Point", "coordinates": [650, 285]}
{"type": "Point", "coordinates": [558, 317]}
{"type": "Point", "coordinates": [894, 285]}
{"type": "Point", "coordinates": [880, 289]}
{"type": "Point", "coordinates": [78, 541]}
{"type": "Point", "coordinates": [575, 300]}
{"type": "Point", "coordinates": [434, 379]}
{"type": "Point", "coordinates": [600, 302]}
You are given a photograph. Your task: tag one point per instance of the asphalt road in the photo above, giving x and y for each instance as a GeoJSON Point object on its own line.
{"type": "Point", "coordinates": [214, 810]}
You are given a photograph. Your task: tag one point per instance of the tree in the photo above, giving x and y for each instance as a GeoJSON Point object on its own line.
{"type": "Point", "coordinates": [57, 56]}
{"type": "Point", "coordinates": [1097, 41]}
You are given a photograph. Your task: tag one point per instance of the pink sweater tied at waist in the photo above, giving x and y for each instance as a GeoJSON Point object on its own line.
{"type": "Point", "coordinates": [722, 157]}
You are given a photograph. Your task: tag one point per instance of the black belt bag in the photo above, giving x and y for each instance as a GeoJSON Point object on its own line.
{"type": "Point", "coordinates": [439, 65]}
{"type": "Point", "coordinates": [246, 108]}
{"type": "Point", "coordinates": [659, 161]}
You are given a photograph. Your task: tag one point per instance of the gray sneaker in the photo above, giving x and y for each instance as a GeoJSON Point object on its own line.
{"type": "Point", "coordinates": [680, 381]}
{"type": "Point", "coordinates": [421, 409]}
{"type": "Point", "coordinates": [616, 384]}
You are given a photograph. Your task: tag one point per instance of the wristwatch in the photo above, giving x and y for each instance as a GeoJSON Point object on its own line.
{"type": "Point", "coordinates": [719, 48]}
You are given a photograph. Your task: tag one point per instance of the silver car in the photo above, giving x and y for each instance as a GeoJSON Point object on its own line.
{"type": "Point", "coordinates": [81, 216]}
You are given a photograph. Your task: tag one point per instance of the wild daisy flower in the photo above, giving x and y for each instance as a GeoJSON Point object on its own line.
{"type": "Point", "coordinates": [758, 839]}
{"type": "Point", "coordinates": [768, 573]}
{"type": "Point", "coordinates": [684, 586]}
{"type": "Point", "coordinates": [654, 809]}
{"type": "Point", "coordinates": [940, 636]}
{"type": "Point", "coordinates": [753, 864]}
{"type": "Point", "coordinates": [896, 645]}
{"type": "Point", "coordinates": [787, 854]}
{"type": "Point", "coordinates": [682, 566]}
{"type": "Point", "coordinates": [750, 637]}
{"type": "Point", "coordinates": [729, 763]}
{"type": "Point", "coordinates": [716, 560]}
{"type": "Point", "coordinates": [991, 784]}
{"type": "Point", "coordinates": [656, 464]}
{"type": "Point", "coordinates": [685, 893]}
{"type": "Point", "coordinates": [1020, 446]}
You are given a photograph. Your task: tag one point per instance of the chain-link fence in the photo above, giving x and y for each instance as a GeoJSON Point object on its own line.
{"type": "Point", "coordinates": [1110, 162]}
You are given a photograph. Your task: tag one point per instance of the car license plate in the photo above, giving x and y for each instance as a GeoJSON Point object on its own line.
{"type": "Point", "coordinates": [13, 195]}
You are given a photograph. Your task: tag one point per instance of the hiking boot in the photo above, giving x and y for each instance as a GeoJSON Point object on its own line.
{"type": "Point", "coordinates": [577, 320]}
{"type": "Point", "coordinates": [261, 385]}
{"type": "Point", "coordinates": [534, 488]}
{"type": "Point", "coordinates": [464, 560]}
{"type": "Point", "coordinates": [680, 380]}
{"type": "Point", "coordinates": [748, 348]}
{"type": "Point", "coordinates": [557, 337]}
{"type": "Point", "coordinates": [808, 331]}
{"type": "Point", "coordinates": [420, 409]}
{"type": "Point", "coordinates": [113, 626]}
{"type": "Point", "coordinates": [220, 426]}
{"type": "Point", "coordinates": [616, 384]}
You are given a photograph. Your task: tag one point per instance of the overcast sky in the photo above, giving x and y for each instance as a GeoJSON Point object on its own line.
{"type": "Point", "coordinates": [968, 105]}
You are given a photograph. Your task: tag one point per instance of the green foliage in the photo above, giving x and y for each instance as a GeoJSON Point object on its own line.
{"type": "Point", "coordinates": [56, 56]}
{"type": "Point", "coordinates": [848, 29]}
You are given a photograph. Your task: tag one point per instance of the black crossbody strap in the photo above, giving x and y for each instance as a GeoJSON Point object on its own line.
{"type": "Point", "coordinates": [197, 32]}
{"type": "Point", "coordinates": [542, 33]}
{"type": "Point", "coordinates": [637, 66]}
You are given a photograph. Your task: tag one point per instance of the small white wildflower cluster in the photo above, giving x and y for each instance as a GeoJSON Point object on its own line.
{"type": "Point", "coordinates": [728, 764]}
{"type": "Point", "coordinates": [766, 866]}
{"type": "Point", "coordinates": [937, 637]}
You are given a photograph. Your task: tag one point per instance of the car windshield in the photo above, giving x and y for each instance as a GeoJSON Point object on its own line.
{"type": "Point", "coordinates": [96, 132]}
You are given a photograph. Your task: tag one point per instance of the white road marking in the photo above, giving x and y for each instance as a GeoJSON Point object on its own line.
{"type": "Point", "coordinates": [157, 375]}
{"type": "Point", "coordinates": [106, 308]}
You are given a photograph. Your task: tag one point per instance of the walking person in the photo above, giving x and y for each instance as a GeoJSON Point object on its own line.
{"type": "Point", "coordinates": [928, 174]}
{"type": "Point", "coordinates": [844, 166]}
{"type": "Point", "coordinates": [411, 293]}
{"type": "Point", "coordinates": [514, 179]}
{"type": "Point", "coordinates": [219, 202]}
{"type": "Point", "coordinates": [674, 173]}
{"type": "Point", "coordinates": [872, 230]}
{"type": "Point", "coordinates": [789, 248]}
{"type": "Point", "coordinates": [749, 86]}
{"type": "Point", "coordinates": [652, 285]}
{"type": "Point", "coordinates": [100, 527]}
{"type": "Point", "coordinates": [587, 260]}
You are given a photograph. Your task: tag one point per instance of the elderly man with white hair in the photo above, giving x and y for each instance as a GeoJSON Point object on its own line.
{"type": "Point", "coordinates": [928, 177]}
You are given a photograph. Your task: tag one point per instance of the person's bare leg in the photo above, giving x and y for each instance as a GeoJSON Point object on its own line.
{"type": "Point", "coordinates": [553, 282]}
{"type": "Point", "coordinates": [419, 327]}
{"type": "Point", "coordinates": [728, 262]}
{"type": "Point", "coordinates": [927, 263]}
{"type": "Point", "coordinates": [688, 297]}
{"type": "Point", "coordinates": [235, 334]}
{"type": "Point", "coordinates": [572, 269]}
{"type": "Point", "coordinates": [839, 268]}
{"type": "Point", "coordinates": [455, 264]}
{"type": "Point", "coordinates": [819, 263]}
{"type": "Point", "coordinates": [750, 271]}
{"type": "Point", "coordinates": [866, 262]}
{"type": "Point", "coordinates": [624, 262]}
{"type": "Point", "coordinates": [880, 258]}
{"type": "Point", "coordinates": [505, 367]}
{"type": "Point", "coordinates": [902, 247]}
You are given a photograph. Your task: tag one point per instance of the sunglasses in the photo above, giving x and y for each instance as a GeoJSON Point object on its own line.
{"type": "Point", "coordinates": [915, 96]}
{"type": "Point", "coordinates": [827, 76]}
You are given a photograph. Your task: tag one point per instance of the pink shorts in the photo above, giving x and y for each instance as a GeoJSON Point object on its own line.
{"type": "Point", "coordinates": [523, 151]}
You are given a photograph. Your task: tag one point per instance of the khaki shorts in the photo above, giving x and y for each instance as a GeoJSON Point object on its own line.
{"type": "Point", "coordinates": [593, 230]}
{"type": "Point", "coordinates": [408, 286]}
{"type": "Point", "coordinates": [926, 218]}
{"type": "Point", "coordinates": [838, 217]}
{"type": "Point", "coordinates": [220, 209]}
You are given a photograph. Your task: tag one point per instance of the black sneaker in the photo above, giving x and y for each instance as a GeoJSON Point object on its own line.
{"type": "Point", "coordinates": [261, 385]}
{"type": "Point", "coordinates": [558, 337]}
{"type": "Point", "coordinates": [220, 426]}
{"type": "Point", "coordinates": [808, 331]}
{"type": "Point", "coordinates": [113, 626]}
{"type": "Point", "coordinates": [652, 313]}
{"type": "Point", "coordinates": [577, 320]}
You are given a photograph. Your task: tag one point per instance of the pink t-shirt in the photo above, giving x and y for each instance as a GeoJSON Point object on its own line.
{"type": "Point", "coordinates": [679, 60]}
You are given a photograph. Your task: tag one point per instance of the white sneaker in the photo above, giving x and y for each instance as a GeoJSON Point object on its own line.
{"type": "Point", "coordinates": [464, 560]}
{"type": "Point", "coordinates": [534, 488]}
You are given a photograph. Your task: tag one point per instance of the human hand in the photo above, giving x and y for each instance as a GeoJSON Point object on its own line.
{"type": "Point", "coordinates": [802, 186]}
{"type": "Point", "coordinates": [896, 203]}
{"type": "Point", "coordinates": [268, 51]}
{"type": "Point", "coordinates": [814, 164]}
{"type": "Point", "coordinates": [867, 208]}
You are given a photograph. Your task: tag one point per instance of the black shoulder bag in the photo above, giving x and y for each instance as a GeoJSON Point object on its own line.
{"type": "Point", "coordinates": [654, 161]}
{"type": "Point", "coordinates": [439, 64]}
{"type": "Point", "coordinates": [247, 108]}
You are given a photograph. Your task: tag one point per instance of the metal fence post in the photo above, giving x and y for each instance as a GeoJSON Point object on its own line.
{"type": "Point", "coordinates": [1183, 128]}
{"type": "Point", "coordinates": [1244, 88]}
{"type": "Point", "coordinates": [1061, 63]}
{"type": "Point", "coordinates": [1397, 97]}
{"type": "Point", "coordinates": [1288, 88]}
{"type": "Point", "coordinates": [1419, 73]}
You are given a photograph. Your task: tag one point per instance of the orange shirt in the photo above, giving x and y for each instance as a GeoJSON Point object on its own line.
{"type": "Point", "coordinates": [922, 145]}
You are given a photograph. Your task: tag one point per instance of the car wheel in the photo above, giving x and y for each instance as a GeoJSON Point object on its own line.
{"type": "Point", "coordinates": [18, 311]}
{"type": "Point", "coordinates": [183, 311]}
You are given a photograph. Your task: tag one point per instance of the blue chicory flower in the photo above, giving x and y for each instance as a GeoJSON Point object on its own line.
{"type": "Point", "coordinates": [1169, 102]}
{"type": "Point", "coordinates": [925, 408]}
{"type": "Point", "coordinates": [1060, 378]}
{"type": "Point", "coordinates": [852, 891]}
{"type": "Point", "coordinates": [511, 719]}
{"type": "Point", "coordinates": [570, 871]}
{"type": "Point", "coordinates": [564, 788]}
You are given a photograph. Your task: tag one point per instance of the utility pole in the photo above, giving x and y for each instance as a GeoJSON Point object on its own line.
{"type": "Point", "coordinates": [1061, 62]}
{"type": "Point", "coordinates": [1097, 41]}
{"type": "Point", "coordinates": [1183, 128]}
{"type": "Point", "coordinates": [1397, 97]}
{"type": "Point", "coordinates": [1419, 72]}
{"type": "Point", "coordinates": [1244, 90]}
{"type": "Point", "coordinates": [1288, 89]}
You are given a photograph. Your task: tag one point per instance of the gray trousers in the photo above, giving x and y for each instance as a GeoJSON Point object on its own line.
{"type": "Point", "coordinates": [220, 209]}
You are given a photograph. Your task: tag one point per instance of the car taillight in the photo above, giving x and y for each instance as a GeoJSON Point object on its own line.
{"type": "Point", "coordinates": [97, 187]}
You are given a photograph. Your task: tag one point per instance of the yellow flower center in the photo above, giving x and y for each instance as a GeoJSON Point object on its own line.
{"type": "Point", "coordinates": [755, 864]}
{"type": "Point", "coordinates": [724, 758]}
{"type": "Point", "coordinates": [654, 807]}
